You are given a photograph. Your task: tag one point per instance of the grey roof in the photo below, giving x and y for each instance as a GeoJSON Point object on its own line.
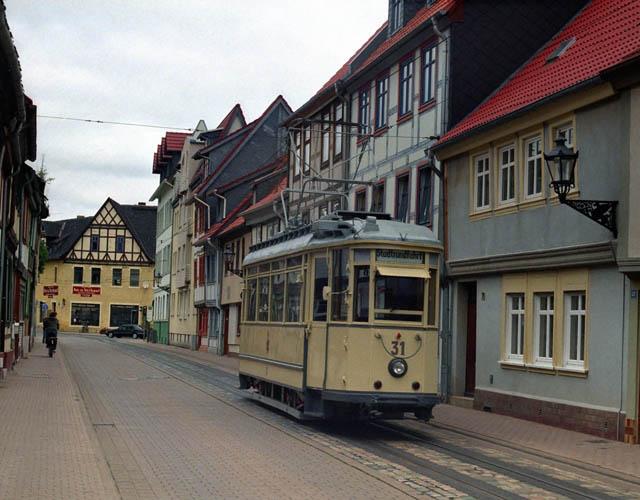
{"type": "Point", "coordinates": [387, 231]}
{"type": "Point", "coordinates": [140, 220]}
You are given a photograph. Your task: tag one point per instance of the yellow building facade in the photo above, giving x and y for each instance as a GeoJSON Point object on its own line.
{"type": "Point", "coordinates": [100, 269]}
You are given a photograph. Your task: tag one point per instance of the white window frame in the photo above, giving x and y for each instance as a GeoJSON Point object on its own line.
{"type": "Point", "coordinates": [564, 131]}
{"type": "Point", "coordinates": [482, 183]}
{"type": "Point", "coordinates": [581, 336]}
{"type": "Point", "coordinates": [534, 161]}
{"type": "Point", "coordinates": [517, 356]}
{"type": "Point", "coordinates": [509, 169]}
{"type": "Point", "coordinates": [405, 88]}
{"type": "Point", "coordinates": [540, 312]}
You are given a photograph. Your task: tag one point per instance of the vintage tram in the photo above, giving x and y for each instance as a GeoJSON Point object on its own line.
{"type": "Point", "coordinates": [340, 319]}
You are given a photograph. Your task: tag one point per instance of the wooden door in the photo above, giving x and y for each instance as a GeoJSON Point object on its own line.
{"type": "Point", "coordinates": [470, 372]}
{"type": "Point", "coordinates": [226, 330]}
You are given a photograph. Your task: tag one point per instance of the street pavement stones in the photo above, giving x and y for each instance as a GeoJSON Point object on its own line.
{"type": "Point", "coordinates": [548, 440]}
{"type": "Point", "coordinates": [47, 448]}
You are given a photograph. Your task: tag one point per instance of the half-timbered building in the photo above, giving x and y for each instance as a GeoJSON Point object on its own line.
{"type": "Point", "coordinates": [100, 269]}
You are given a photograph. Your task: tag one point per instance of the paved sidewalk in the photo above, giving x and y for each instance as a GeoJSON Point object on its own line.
{"type": "Point", "coordinates": [548, 440]}
{"type": "Point", "coordinates": [45, 434]}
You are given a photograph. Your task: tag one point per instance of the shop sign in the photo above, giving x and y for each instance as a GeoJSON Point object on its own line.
{"type": "Point", "coordinates": [86, 291]}
{"type": "Point", "coordinates": [399, 256]}
{"type": "Point", "coordinates": [50, 291]}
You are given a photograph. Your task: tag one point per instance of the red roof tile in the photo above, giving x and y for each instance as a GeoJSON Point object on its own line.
{"type": "Point", "coordinates": [421, 17]}
{"type": "Point", "coordinates": [606, 34]}
{"type": "Point", "coordinates": [270, 197]}
{"type": "Point", "coordinates": [172, 142]}
{"type": "Point", "coordinates": [222, 226]}
{"type": "Point", "coordinates": [226, 121]}
{"type": "Point", "coordinates": [236, 223]}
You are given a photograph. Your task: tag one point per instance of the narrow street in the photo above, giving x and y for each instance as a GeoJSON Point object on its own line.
{"type": "Point", "coordinates": [122, 419]}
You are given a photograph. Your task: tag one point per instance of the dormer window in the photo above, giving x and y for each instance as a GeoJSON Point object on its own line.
{"type": "Point", "coordinates": [395, 15]}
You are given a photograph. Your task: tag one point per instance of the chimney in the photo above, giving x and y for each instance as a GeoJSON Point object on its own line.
{"type": "Point", "coordinates": [79, 216]}
{"type": "Point", "coordinates": [142, 204]}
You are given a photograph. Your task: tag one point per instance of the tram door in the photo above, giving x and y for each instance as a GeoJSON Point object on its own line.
{"type": "Point", "coordinates": [316, 376]}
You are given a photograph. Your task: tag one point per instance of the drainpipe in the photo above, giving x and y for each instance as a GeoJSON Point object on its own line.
{"type": "Point", "coordinates": [224, 202]}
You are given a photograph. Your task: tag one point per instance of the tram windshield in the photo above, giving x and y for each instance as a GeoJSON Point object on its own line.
{"type": "Point", "coordinates": [399, 298]}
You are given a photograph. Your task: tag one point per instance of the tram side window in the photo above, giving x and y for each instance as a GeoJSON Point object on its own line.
{"type": "Point", "coordinates": [399, 298]}
{"type": "Point", "coordinates": [277, 297]}
{"type": "Point", "coordinates": [294, 296]}
{"type": "Point", "coordinates": [263, 299]}
{"type": "Point", "coordinates": [321, 280]}
{"type": "Point", "coordinates": [251, 300]}
{"type": "Point", "coordinates": [361, 303]}
{"type": "Point", "coordinates": [339, 285]}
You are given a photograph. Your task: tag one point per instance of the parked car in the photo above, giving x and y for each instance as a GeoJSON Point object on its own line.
{"type": "Point", "coordinates": [133, 331]}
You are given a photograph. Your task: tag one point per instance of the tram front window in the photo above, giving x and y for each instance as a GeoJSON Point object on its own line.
{"type": "Point", "coordinates": [399, 298]}
{"type": "Point", "coordinates": [361, 303]}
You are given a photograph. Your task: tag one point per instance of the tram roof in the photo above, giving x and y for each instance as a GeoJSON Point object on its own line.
{"type": "Point", "coordinates": [338, 230]}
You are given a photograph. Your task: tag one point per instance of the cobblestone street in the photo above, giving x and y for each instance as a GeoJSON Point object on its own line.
{"type": "Point", "coordinates": [122, 419]}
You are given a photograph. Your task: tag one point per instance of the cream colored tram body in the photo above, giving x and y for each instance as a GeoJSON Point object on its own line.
{"type": "Point", "coordinates": [340, 319]}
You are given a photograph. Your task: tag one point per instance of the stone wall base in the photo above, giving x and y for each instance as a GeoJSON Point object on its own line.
{"type": "Point", "coordinates": [604, 424]}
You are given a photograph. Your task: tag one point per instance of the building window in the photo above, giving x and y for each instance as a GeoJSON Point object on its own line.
{"type": "Point", "coordinates": [326, 127]}
{"type": "Point", "coordinates": [296, 153]}
{"type": "Point", "coordinates": [361, 200]}
{"type": "Point", "coordinates": [481, 173]}
{"type": "Point", "coordinates": [402, 198]}
{"type": "Point", "coordinates": [515, 326]}
{"type": "Point", "coordinates": [543, 328]}
{"type": "Point", "coordinates": [116, 277]}
{"type": "Point", "coordinates": [363, 111]}
{"type": "Point", "coordinates": [95, 275]}
{"type": "Point", "coordinates": [77, 275]}
{"type": "Point", "coordinates": [382, 101]}
{"type": "Point", "coordinates": [377, 199]}
{"type": "Point", "coordinates": [574, 328]}
{"type": "Point", "coordinates": [405, 92]}
{"type": "Point", "coordinates": [566, 131]}
{"type": "Point", "coordinates": [337, 136]}
{"type": "Point", "coordinates": [85, 314]}
{"type": "Point", "coordinates": [123, 315]}
{"type": "Point", "coordinates": [428, 75]}
{"type": "Point", "coordinates": [533, 167]}
{"type": "Point", "coordinates": [134, 277]}
{"type": "Point", "coordinates": [95, 242]}
{"type": "Point", "coordinates": [395, 16]}
{"type": "Point", "coordinates": [506, 159]}
{"type": "Point", "coordinates": [424, 196]}
{"type": "Point", "coordinates": [119, 243]}
{"type": "Point", "coordinates": [307, 149]}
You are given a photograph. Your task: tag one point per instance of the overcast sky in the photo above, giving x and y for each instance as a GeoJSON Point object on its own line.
{"type": "Point", "coordinates": [167, 63]}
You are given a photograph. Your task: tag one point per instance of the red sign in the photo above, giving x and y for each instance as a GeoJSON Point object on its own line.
{"type": "Point", "coordinates": [86, 291]}
{"type": "Point", "coordinates": [50, 291]}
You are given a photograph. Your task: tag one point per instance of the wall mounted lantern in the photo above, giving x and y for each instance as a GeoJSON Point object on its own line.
{"type": "Point", "coordinates": [561, 163]}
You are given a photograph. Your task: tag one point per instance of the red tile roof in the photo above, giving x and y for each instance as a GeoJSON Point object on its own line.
{"type": "Point", "coordinates": [236, 223]}
{"type": "Point", "coordinates": [226, 121]}
{"type": "Point", "coordinates": [606, 34]}
{"type": "Point", "coordinates": [172, 142]}
{"type": "Point", "coordinates": [342, 72]}
{"type": "Point", "coordinates": [224, 225]}
{"type": "Point", "coordinates": [421, 17]}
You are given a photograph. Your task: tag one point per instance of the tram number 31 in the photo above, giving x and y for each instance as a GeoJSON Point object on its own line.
{"type": "Point", "coordinates": [398, 347]}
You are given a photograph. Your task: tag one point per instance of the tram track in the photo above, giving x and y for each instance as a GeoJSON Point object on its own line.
{"type": "Point", "coordinates": [472, 480]}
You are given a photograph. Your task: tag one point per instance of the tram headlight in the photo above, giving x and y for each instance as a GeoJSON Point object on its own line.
{"type": "Point", "coordinates": [397, 367]}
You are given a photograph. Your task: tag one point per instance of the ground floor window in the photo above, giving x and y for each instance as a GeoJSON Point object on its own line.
{"type": "Point", "coordinates": [123, 315]}
{"type": "Point", "coordinates": [85, 314]}
{"type": "Point", "coordinates": [545, 319]}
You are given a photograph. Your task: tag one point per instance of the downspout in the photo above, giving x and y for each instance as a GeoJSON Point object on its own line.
{"type": "Point", "coordinates": [195, 197]}
{"type": "Point", "coordinates": [224, 202]}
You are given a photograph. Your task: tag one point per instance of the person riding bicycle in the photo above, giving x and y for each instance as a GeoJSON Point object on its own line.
{"type": "Point", "coordinates": [50, 325]}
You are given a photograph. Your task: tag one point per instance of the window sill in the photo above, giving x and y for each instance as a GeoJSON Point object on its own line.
{"type": "Point", "coordinates": [572, 372]}
{"type": "Point", "coordinates": [324, 165]}
{"type": "Point", "coordinates": [506, 209]}
{"type": "Point", "coordinates": [427, 105]}
{"type": "Point", "coordinates": [380, 131]}
{"type": "Point", "coordinates": [512, 365]}
{"type": "Point", "coordinates": [533, 203]}
{"type": "Point", "coordinates": [541, 368]}
{"type": "Point", "coordinates": [362, 139]}
{"type": "Point", "coordinates": [404, 118]}
{"type": "Point", "coordinates": [485, 214]}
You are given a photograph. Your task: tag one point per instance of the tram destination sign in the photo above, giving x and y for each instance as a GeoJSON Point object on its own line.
{"type": "Point", "coordinates": [400, 256]}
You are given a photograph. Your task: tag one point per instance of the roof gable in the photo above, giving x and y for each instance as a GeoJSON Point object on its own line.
{"type": "Point", "coordinates": [606, 33]}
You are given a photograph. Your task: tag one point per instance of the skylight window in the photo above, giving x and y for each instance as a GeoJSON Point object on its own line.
{"type": "Point", "coordinates": [560, 50]}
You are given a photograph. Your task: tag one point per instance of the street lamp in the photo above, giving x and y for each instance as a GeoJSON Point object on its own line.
{"type": "Point", "coordinates": [228, 255]}
{"type": "Point", "coordinates": [561, 163]}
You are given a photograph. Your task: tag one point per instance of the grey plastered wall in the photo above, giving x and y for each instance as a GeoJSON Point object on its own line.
{"type": "Point", "coordinates": [603, 386]}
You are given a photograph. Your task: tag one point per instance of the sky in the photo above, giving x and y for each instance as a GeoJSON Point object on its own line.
{"type": "Point", "coordinates": [165, 63]}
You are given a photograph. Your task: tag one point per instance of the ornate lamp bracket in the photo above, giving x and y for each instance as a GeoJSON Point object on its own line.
{"type": "Point", "coordinates": [602, 212]}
